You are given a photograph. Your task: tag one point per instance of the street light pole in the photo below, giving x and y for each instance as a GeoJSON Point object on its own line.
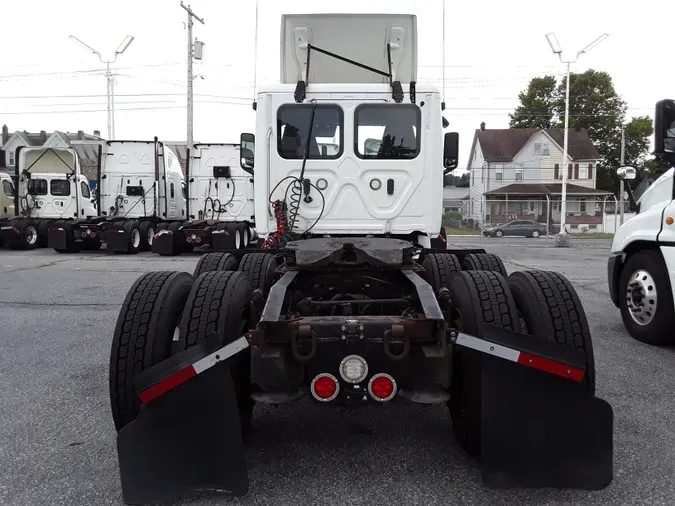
{"type": "Point", "coordinates": [190, 78]}
{"type": "Point", "coordinates": [110, 99]}
{"type": "Point", "coordinates": [621, 188]}
{"type": "Point", "coordinates": [555, 47]}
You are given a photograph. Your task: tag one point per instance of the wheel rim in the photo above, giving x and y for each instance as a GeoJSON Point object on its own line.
{"type": "Point", "coordinates": [535, 234]}
{"type": "Point", "coordinates": [31, 234]}
{"type": "Point", "coordinates": [237, 239]}
{"type": "Point", "coordinates": [151, 235]}
{"type": "Point", "coordinates": [641, 297]}
{"type": "Point", "coordinates": [135, 238]}
{"type": "Point", "coordinates": [499, 234]}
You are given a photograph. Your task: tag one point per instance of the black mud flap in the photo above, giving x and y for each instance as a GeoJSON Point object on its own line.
{"type": "Point", "coordinates": [117, 240]}
{"type": "Point", "coordinates": [542, 430]}
{"type": "Point", "coordinates": [165, 244]}
{"type": "Point", "coordinates": [187, 440]}
{"type": "Point", "coordinates": [57, 238]}
{"type": "Point", "coordinates": [220, 241]}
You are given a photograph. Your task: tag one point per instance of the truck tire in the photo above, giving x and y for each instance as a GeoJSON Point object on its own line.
{"type": "Point", "coordinates": [147, 230]}
{"type": "Point", "coordinates": [551, 310]}
{"type": "Point", "coordinates": [260, 269]}
{"type": "Point", "coordinates": [440, 269]}
{"type": "Point", "coordinates": [644, 280]}
{"type": "Point", "coordinates": [144, 335]}
{"type": "Point", "coordinates": [220, 303]}
{"type": "Point", "coordinates": [28, 237]}
{"type": "Point", "coordinates": [132, 229]}
{"type": "Point", "coordinates": [215, 262]}
{"type": "Point", "coordinates": [478, 298]}
{"type": "Point", "coordinates": [484, 262]}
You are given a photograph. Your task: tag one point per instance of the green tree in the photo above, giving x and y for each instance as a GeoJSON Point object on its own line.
{"type": "Point", "coordinates": [596, 106]}
{"type": "Point", "coordinates": [537, 105]}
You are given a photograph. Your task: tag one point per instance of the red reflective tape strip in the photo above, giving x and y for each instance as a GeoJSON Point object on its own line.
{"type": "Point", "coordinates": [441, 238]}
{"type": "Point", "coordinates": [546, 365]}
{"type": "Point", "coordinates": [167, 384]}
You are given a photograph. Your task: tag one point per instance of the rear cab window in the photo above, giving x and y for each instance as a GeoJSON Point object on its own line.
{"type": "Point", "coordinates": [59, 187]}
{"type": "Point", "coordinates": [7, 188]}
{"type": "Point", "coordinates": [387, 131]}
{"type": "Point", "coordinates": [37, 186]}
{"type": "Point", "coordinates": [327, 142]}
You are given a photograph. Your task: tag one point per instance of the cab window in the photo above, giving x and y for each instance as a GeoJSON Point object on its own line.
{"type": "Point", "coordinates": [84, 189]}
{"type": "Point", "coordinates": [293, 128]}
{"type": "Point", "coordinates": [8, 188]}
{"type": "Point", "coordinates": [37, 186]}
{"type": "Point", "coordinates": [59, 187]}
{"type": "Point", "coordinates": [387, 131]}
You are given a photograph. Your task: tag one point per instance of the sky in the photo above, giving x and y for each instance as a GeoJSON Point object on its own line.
{"type": "Point", "coordinates": [492, 49]}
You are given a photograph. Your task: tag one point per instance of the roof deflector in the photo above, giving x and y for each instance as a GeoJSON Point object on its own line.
{"type": "Point", "coordinates": [349, 48]}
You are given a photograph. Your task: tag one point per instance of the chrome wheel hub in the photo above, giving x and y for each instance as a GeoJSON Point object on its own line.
{"type": "Point", "coordinates": [641, 297]}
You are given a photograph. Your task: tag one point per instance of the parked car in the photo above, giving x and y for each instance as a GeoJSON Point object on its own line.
{"type": "Point", "coordinates": [527, 228]}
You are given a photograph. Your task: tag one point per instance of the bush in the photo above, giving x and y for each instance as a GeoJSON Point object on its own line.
{"type": "Point", "coordinates": [452, 216]}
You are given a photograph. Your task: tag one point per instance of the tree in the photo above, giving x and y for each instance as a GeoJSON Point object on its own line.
{"type": "Point", "coordinates": [537, 103]}
{"type": "Point", "coordinates": [457, 181]}
{"type": "Point", "coordinates": [595, 106]}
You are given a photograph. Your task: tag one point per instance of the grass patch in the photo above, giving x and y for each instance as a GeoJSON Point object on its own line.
{"type": "Point", "coordinates": [461, 231]}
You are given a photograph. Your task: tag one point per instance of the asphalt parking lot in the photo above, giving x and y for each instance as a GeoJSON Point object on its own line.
{"type": "Point", "coordinates": [57, 441]}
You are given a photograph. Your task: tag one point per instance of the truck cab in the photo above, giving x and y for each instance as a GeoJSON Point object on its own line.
{"type": "Point", "coordinates": [6, 196]}
{"type": "Point", "coordinates": [348, 144]}
{"type": "Point", "coordinates": [641, 265]}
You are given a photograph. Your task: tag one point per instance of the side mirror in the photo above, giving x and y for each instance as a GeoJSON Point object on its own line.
{"type": "Point", "coordinates": [626, 173]}
{"type": "Point", "coordinates": [664, 128]}
{"type": "Point", "coordinates": [450, 152]}
{"type": "Point", "coordinates": [247, 152]}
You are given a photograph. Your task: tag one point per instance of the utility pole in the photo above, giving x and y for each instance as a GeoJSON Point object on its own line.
{"type": "Point", "coordinates": [623, 155]}
{"type": "Point", "coordinates": [555, 47]}
{"type": "Point", "coordinates": [190, 78]}
{"type": "Point", "coordinates": [110, 79]}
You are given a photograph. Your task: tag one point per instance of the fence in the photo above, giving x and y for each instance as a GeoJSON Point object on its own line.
{"type": "Point", "coordinates": [582, 215]}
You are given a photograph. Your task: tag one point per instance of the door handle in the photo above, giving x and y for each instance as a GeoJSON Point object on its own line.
{"type": "Point", "coordinates": [390, 186]}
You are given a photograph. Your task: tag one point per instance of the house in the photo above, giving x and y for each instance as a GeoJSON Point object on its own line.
{"type": "Point", "coordinates": [454, 198]}
{"type": "Point", "coordinates": [56, 139]}
{"type": "Point", "coordinates": [516, 174]}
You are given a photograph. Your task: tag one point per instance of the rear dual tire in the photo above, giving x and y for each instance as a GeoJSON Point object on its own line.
{"type": "Point", "coordinates": [542, 304]}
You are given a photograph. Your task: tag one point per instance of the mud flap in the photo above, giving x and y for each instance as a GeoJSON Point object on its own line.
{"type": "Point", "coordinates": [57, 238]}
{"type": "Point", "coordinates": [220, 241]}
{"type": "Point", "coordinates": [187, 439]}
{"type": "Point", "coordinates": [117, 240]}
{"type": "Point", "coordinates": [164, 243]}
{"type": "Point", "coordinates": [540, 428]}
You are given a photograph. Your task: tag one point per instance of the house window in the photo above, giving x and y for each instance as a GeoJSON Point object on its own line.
{"type": "Point", "coordinates": [583, 171]}
{"type": "Point", "coordinates": [574, 226]}
{"type": "Point", "coordinates": [499, 174]}
{"type": "Point", "coordinates": [519, 174]}
{"type": "Point", "coordinates": [582, 206]}
{"type": "Point", "coordinates": [10, 158]}
{"type": "Point", "coordinates": [545, 149]}
{"type": "Point", "coordinates": [592, 227]}
{"type": "Point", "coordinates": [537, 148]}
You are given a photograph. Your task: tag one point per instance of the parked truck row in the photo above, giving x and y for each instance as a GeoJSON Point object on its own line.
{"type": "Point", "coordinates": [143, 197]}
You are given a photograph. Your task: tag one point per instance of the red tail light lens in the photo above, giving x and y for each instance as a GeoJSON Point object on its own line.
{"type": "Point", "coordinates": [382, 387]}
{"type": "Point", "coordinates": [325, 387]}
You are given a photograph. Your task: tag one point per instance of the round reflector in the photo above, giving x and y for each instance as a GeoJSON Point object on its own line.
{"type": "Point", "coordinates": [382, 387]}
{"type": "Point", "coordinates": [325, 387]}
{"type": "Point", "coordinates": [353, 369]}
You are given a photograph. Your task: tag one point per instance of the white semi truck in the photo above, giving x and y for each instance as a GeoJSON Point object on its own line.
{"type": "Point", "coordinates": [50, 190]}
{"type": "Point", "coordinates": [141, 190]}
{"type": "Point", "coordinates": [220, 208]}
{"type": "Point", "coordinates": [641, 266]}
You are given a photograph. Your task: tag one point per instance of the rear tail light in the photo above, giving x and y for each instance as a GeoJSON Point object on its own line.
{"type": "Point", "coordinates": [325, 387]}
{"type": "Point", "coordinates": [188, 239]}
{"type": "Point", "coordinates": [84, 234]}
{"type": "Point", "coordinates": [198, 240]}
{"type": "Point", "coordinates": [382, 387]}
{"type": "Point", "coordinates": [353, 369]}
{"type": "Point", "coordinates": [93, 234]}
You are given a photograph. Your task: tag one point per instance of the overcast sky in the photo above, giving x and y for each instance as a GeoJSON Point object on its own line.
{"type": "Point", "coordinates": [493, 48]}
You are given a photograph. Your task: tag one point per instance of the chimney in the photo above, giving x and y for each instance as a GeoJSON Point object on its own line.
{"type": "Point", "coordinates": [43, 137]}
{"type": "Point", "coordinates": [5, 134]}
{"type": "Point", "coordinates": [97, 133]}
{"type": "Point", "coordinates": [80, 135]}
{"type": "Point", "coordinates": [482, 126]}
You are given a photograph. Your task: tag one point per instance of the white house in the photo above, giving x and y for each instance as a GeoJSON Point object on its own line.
{"type": "Point", "coordinates": [516, 174]}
